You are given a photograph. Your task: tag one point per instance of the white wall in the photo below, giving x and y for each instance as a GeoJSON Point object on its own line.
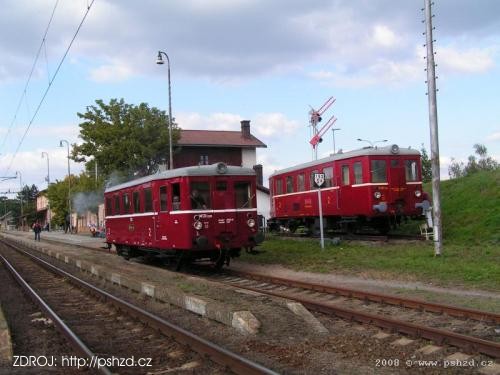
{"type": "Point", "coordinates": [248, 157]}
{"type": "Point", "coordinates": [263, 207]}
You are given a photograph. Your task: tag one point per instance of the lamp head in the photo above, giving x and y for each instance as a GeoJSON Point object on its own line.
{"type": "Point", "coordinates": [60, 143]}
{"type": "Point", "coordinates": [159, 59]}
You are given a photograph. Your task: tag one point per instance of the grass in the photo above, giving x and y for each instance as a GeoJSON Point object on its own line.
{"type": "Point", "coordinates": [471, 246]}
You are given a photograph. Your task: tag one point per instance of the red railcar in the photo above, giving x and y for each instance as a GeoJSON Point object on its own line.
{"type": "Point", "coordinates": [373, 187]}
{"type": "Point", "coordinates": [185, 214]}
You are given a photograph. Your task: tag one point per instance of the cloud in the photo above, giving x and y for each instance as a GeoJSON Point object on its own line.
{"type": "Point", "coordinates": [473, 60]}
{"type": "Point", "coordinates": [383, 36]}
{"type": "Point", "coordinates": [114, 72]}
{"type": "Point", "coordinates": [494, 137]}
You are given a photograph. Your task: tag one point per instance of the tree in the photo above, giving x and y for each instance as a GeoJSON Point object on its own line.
{"type": "Point", "coordinates": [484, 163]}
{"type": "Point", "coordinates": [426, 165]}
{"type": "Point", "coordinates": [123, 138]}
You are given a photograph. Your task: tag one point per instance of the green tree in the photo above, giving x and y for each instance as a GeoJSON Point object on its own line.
{"type": "Point", "coordinates": [57, 193]}
{"type": "Point", "coordinates": [484, 163]}
{"type": "Point", "coordinates": [426, 165]}
{"type": "Point", "coordinates": [123, 138]}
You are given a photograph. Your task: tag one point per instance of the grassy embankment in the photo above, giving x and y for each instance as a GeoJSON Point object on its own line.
{"type": "Point", "coordinates": [471, 246]}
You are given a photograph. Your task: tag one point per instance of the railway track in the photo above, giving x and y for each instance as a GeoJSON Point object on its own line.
{"type": "Point", "coordinates": [103, 327]}
{"type": "Point", "coordinates": [422, 321]}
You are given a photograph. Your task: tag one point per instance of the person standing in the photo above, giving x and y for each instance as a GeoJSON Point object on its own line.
{"type": "Point", "coordinates": [37, 228]}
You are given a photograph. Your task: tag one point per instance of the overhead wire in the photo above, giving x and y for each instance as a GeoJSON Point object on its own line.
{"type": "Point", "coordinates": [50, 85]}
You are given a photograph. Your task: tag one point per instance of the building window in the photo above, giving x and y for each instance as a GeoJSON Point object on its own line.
{"type": "Point", "coordinates": [328, 177]}
{"type": "Point", "coordinates": [358, 173]}
{"type": "Point", "coordinates": [289, 184]}
{"type": "Point", "coordinates": [203, 159]}
{"type": "Point", "coordinates": [345, 175]}
{"type": "Point", "coordinates": [301, 182]}
{"type": "Point", "coordinates": [411, 170]}
{"type": "Point", "coordinates": [148, 200]}
{"type": "Point", "coordinates": [163, 198]}
{"type": "Point", "coordinates": [378, 171]}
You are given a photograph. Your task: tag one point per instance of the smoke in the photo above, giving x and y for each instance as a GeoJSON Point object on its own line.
{"type": "Point", "coordinates": [83, 202]}
{"type": "Point", "coordinates": [116, 178]}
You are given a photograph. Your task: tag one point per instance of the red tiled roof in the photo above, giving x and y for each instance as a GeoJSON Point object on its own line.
{"type": "Point", "coordinates": [217, 138]}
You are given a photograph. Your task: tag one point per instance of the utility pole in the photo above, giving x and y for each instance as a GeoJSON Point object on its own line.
{"type": "Point", "coordinates": [433, 123]}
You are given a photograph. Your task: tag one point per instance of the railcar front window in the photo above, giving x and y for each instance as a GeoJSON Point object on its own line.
{"type": "Point", "coordinates": [279, 186]}
{"type": "Point", "coordinates": [163, 198]}
{"type": "Point", "coordinates": [378, 171]}
{"type": "Point", "coordinates": [358, 173]}
{"type": "Point", "coordinates": [200, 195]}
{"type": "Point", "coordinates": [109, 209]}
{"type": "Point", "coordinates": [148, 200]}
{"type": "Point", "coordinates": [301, 182]}
{"type": "Point", "coordinates": [243, 195]}
{"type": "Point", "coordinates": [411, 170]}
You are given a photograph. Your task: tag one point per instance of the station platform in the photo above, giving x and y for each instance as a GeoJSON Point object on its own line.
{"type": "Point", "coordinates": [81, 240]}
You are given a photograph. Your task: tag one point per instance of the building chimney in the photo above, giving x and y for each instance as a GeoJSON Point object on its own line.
{"type": "Point", "coordinates": [258, 171]}
{"type": "Point", "coordinates": [245, 128]}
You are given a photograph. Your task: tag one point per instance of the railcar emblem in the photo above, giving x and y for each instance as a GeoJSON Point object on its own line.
{"type": "Point", "coordinates": [319, 179]}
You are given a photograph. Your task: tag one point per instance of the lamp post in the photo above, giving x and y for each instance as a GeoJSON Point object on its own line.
{"type": "Point", "coordinates": [69, 182]}
{"type": "Point", "coordinates": [21, 196]}
{"type": "Point", "coordinates": [160, 61]}
{"type": "Point", "coordinates": [372, 143]}
{"type": "Point", "coordinates": [48, 184]}
{"type": "Point", "coordinates": [333, 133]}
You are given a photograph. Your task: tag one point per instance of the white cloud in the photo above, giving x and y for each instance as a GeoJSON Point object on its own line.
{"type": "Point", "coordinates": [383, 36]}
{"type": "Point", "coordinates": [274, 125]}
{"type": "Point", "coordinates": [114, 72]}
{"type": "Point", "coordinates": [473, 60]}
{"type": "Point", "coordinates": [494, 137]}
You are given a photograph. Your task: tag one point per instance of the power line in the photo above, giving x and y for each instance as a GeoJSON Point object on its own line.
{"type": "Point", "coordinates": [23, 94]}
{"type": "Point", "coordinates": [50, 84]}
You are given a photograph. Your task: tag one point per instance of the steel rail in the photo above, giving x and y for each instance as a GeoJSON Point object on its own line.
{"type": "Point", "coordinates": [461, 312]}
{"type": "Point", "coordinates": [439, 336]}
{"type": "Point", "coordinates": [77, 344]}
{"type": "Point", "coordinates": [216, 353]}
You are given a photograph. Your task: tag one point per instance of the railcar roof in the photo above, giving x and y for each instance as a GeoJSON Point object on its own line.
{"type": "Point", "coordinates": [366, 151]}
{"type": "Point", "coordinates": [200, 170]}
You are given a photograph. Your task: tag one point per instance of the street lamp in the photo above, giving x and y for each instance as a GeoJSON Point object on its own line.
{"type": "Point", "coordinates": [372, 143]}
{"type": "Point", "coordinates": [69, 181]}
{"type": "Point", "coordinates": [48, 184]}
{"type": "Point", "coordinates": [21, 196]}
{"type": "Point", "coordinates": [160, 61]}
{"type": "Point", "coordinates": [333, 133]}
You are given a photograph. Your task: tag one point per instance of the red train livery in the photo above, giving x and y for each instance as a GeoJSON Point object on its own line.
{"type": "Point", "coordinates": [184, 214]}
{"type": "Point", "coordinates": [373, 187]}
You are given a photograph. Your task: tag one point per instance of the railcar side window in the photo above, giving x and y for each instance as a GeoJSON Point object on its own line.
{"type": "Point", "coordinates": [200, 195]}
{"type": "Point", "coordinates": [148, 200]}
{"type": "Point", "coordinates": [411, 170]}
{"type": "Point", "coordinates": [163, 198]}
{"type": "Point", "coordinates": [137, 202]}
{"type": "Point", "coordinates": [345, 175]}
{"type": "Point", "coordinates": [243, 195]}
{"type": "Point", "coordinates": [109, 209]}
{"type": "Point", "coordinates": [378, 171]}
{"type": "Point", "coordinates": [289, 184]}
{"type": "Point", "coordinates": [279, 186]}
{"type": "Point", "coordinates": [126, 204]}
{"type": "Point", "coordinates": [301, 183]}
{"type": "Point", "coordinates": [117, 205]}
{"type": "Point", "coordinates": [328, 177]}
{"type": "Point", "coordinates": [358, 173]}
{"type": "Point", "coordinates": [176, 197]}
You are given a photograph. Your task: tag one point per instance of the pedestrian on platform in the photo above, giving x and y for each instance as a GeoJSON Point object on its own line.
{"type": "Point", "coordinates": [37, 228]}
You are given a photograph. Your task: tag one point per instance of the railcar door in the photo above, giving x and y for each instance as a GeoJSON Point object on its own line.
{"type": "Point", "coordinates": [163, 217]}
{"type": "Point", "coordinates": [397, 180]}
{"type": "Point", "coordinates": [226, 219]}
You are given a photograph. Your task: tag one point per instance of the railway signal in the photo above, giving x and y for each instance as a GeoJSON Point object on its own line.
{"type": "Point", "coordinates": [315, 119]}
{"type": "Point", "coordinates": [319, 180]}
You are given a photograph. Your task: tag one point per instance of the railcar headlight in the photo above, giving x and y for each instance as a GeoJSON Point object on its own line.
{"type": "Point", "coordinates": [198, 225]}
{"type": "Point", "coordinates": [418, 193]}
{"type": "Point", "coordinates": [377, 194]}
{"type": "Point", "coordinates": [251, 223]}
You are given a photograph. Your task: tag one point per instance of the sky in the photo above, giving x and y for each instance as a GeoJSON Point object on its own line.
{"type": "Point", "coordinates": [269, 62]}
